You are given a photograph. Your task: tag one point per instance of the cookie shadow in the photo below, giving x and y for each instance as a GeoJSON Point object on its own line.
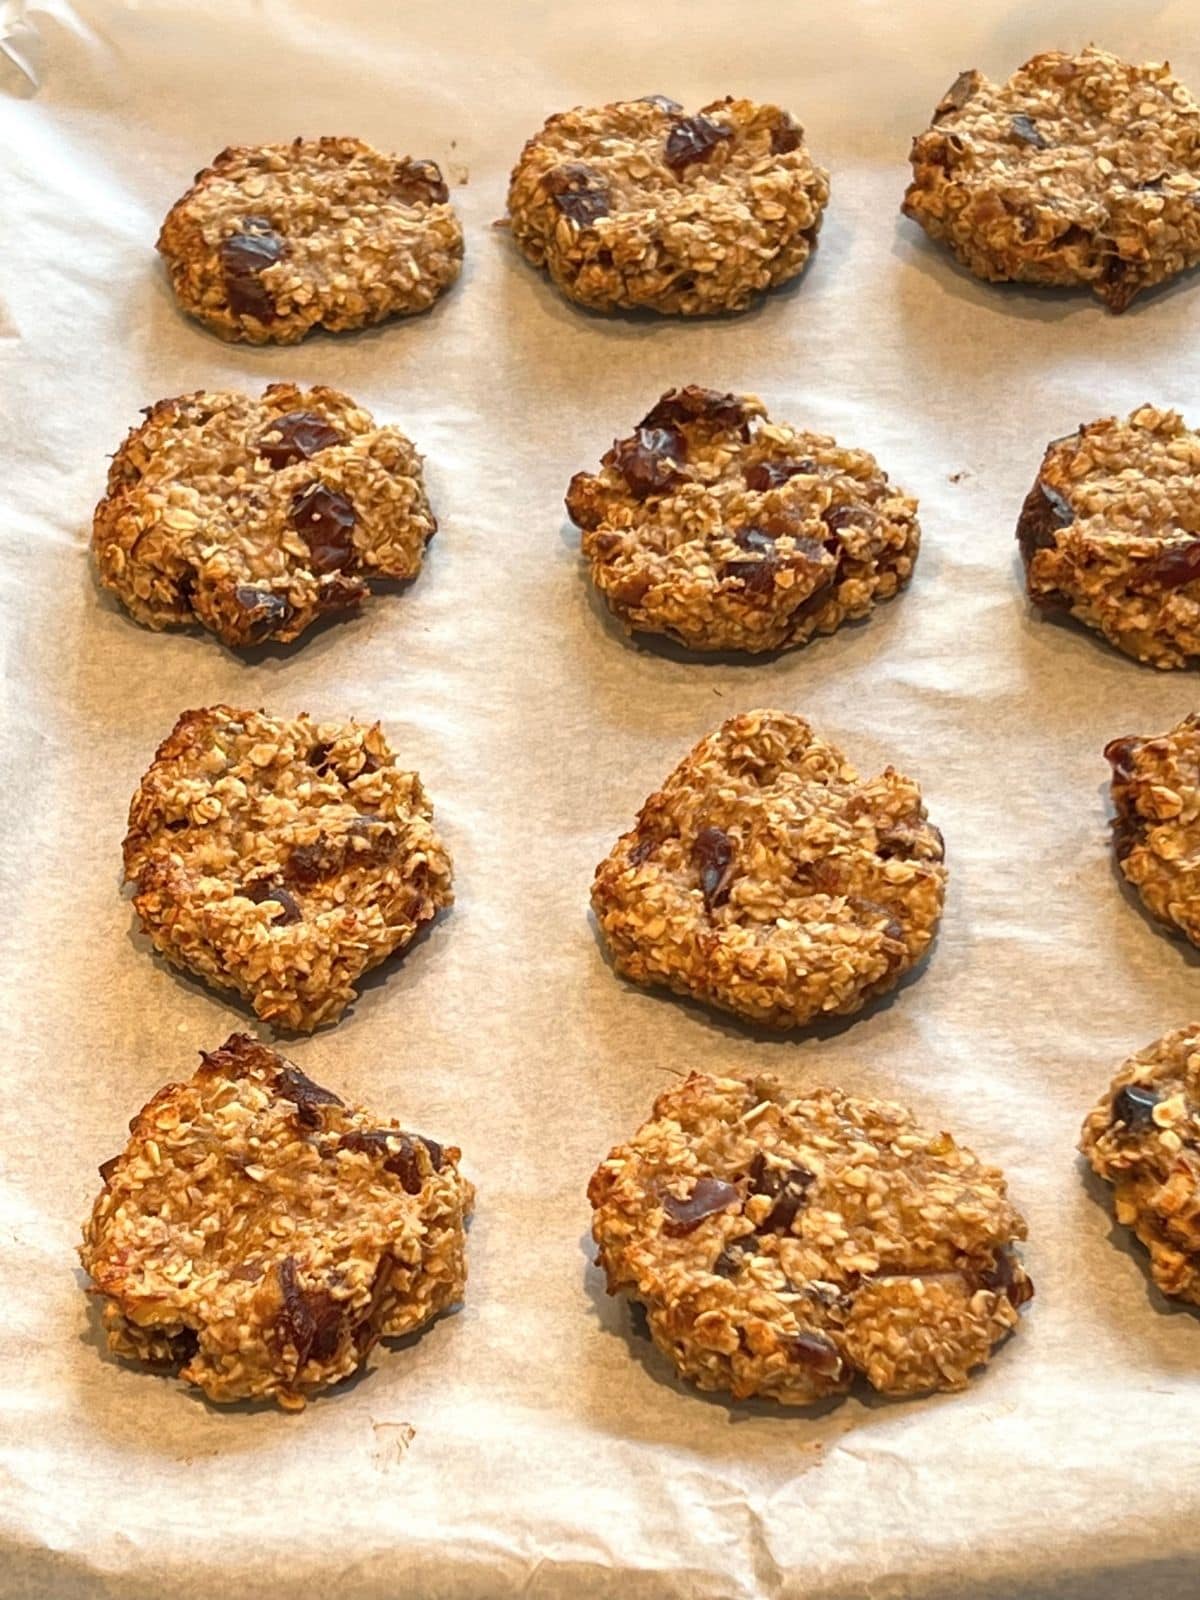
{"type": "Point", "coordinates": [624, 1319]}
{"type": "Point", "coordinates": [128, 1427]}
{"type": "Point", "coordinates": [318, 633]}
{"type": "Point", "coordinates": [640, 322]}
{"type": "Point", "coordinates": [248, 1019]}
{"type": "Point", "coordinates": [317, 336]}
{"type": "Point", "coordinates": [733, 1027]}
{"type": "Point", "coordinates": [1069, 628]}
{"type": "Point", "coordinates": [1127, 1242]}
{"type": "Point", "coordinates": [315, 639]}
{"type": "Point", "coordinates": [393, 969]}
{"type": "Point", "coordinates": [1187, 951]}
{"type": "Point", "coordinates": [1028, 301]}
{"type": "Point", "coordinates": [663, 648]}
{"type": "Point", "coordinates": [256, 655]}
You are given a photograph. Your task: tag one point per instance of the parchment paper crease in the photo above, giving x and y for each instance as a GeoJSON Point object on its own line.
{"type": "Point", "coordinates": [551, 1453]}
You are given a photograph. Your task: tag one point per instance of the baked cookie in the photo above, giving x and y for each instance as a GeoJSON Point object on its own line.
{"type": "Point", "coordinates": [1081, 169]}
{"type": "Point", "coordinates": [282, 858]}
{"type": "Point", "coordinates": [255, 517]}
{"type": "Point", "coordinates": [726, 531]}
{"type": "Point", "coordinates": [783, 1247]}
{"type": "Point", "coordinates": [275, 240]}
{"type": "Point", "coordinates": [767, 878]}
{"type": "Point", "coordinates": [1110, 532]}
{"type": "Point", "coordinates": [258, 1235]}
{"type": "Point", "coordinates": [1144, 1139]}
{"type": "Point", "coordinates": [1156, 830]}
{"type": "Point", "coordinates": [640, 206]}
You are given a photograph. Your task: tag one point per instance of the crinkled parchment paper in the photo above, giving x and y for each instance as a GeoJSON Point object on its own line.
{"type": "Point", "coordinates": [532, 1444]}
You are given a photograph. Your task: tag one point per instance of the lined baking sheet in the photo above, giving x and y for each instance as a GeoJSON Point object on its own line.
{"type": "Point", "coordinates": [533, 1444]}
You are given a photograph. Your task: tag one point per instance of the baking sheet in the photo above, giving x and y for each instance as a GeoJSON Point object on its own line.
{"type": "Point", "coordinates": [532, 1444]}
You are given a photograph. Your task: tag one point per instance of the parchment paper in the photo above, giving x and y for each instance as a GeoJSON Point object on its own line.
{"type": "Point", "coordinates": [532, 1444]}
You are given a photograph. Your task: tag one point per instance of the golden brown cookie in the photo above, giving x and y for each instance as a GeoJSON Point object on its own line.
{"type": "Point", "coordinates": [259, 1236]}
{"type": "Point", "coordinates": [272, 241]}
{"type": "Point", "coordinates": [1156, 830]}
{"type": "Point", "coordinates": [1080, 169]}
{"type": "Point", "coordinates": [723, 530]}
{"type": "Point", "coordinates": [783, 1247]}
{"type": "Point", "coordinates": [1144, 1139]}
{"type": "Point", "coordinates": [1110, 532]}
{"type": "Point", "coordinates": [282, 858]}
{"type": "Point", "coordinates": [638, 205]}
{"type": "Point", "coordinates": [256, 517]}
{"type": "Point", "coordinates": [767, 878]}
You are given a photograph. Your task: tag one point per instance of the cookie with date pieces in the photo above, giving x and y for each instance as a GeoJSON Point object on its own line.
{"type": "Point", "coordinates": [785, 1246]}
{"type": "Point", "coordinates": [258, 1235]}
{"type": "Point", "coordinates": [282, 858]}
{"type": "Point", "coordinates": [1110, 533]}
{"type": "Point", "coordinates": [640, 205]}
{"type": "Point", "coordinates": [274, 240]}
{"type": "Point", "coordinates": [720, 529]}
{"type": "Point", "coordinates": [768, 879]}
{"type": "Point", "coordinates": [1156, 829]}
{"type": "Point", "coordinates": [255, 517]}
{"type": "Point", "coordinates": [1144, 1138]}
{"type": "Point", "coordinates": [1079, 170]}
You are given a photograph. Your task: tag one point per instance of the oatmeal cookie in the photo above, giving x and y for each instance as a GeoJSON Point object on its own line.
{"type": "Point", "coordinates": [638, 205]}
{"type": "Point", "coordinates": [274, 240]}
{"type": "Point", "coordinates": [259, 1236]}
{"type": "Point", "coordinates": [1110, 532]}
{"type": "Point", "coordinates": [1156, 830]}
{"type": "Point", "coordinates": [783, 1247]}
{"type": "Point", "coordinates": [1081, 169]}
{"type": "Point", "coordinates": [767, 878]}
{"type": "Point", "coordinates": [726, 531]}
{"type": "Point", "coordinates": [282, 858]}
{"type": "Point", "coordinates": [255, 517]}
{"type": "Point", "coordinates": [1144, 1139]}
